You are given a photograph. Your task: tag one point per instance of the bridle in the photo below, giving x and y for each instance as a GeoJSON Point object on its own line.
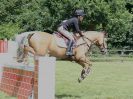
{"type": "Point", "coordinates": [93, 42]}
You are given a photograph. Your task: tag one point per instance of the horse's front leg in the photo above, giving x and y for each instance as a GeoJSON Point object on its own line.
{"type": "Point", "coordinates": [86, 64]}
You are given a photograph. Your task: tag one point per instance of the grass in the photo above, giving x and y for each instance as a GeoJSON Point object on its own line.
{"type": "Point", "coordinates": [4, 96]}
{"type": "Point", "coordinates": [108, 80]}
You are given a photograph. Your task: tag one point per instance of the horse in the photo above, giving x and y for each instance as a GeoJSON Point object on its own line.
{"type": "Point", "coordinates": [43, 43]}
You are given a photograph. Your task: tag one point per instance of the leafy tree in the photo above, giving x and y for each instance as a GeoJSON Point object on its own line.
{"type": "Point", "coordinates": [5, 33]}
{"type": "Point", "coordinates": [111, 16]}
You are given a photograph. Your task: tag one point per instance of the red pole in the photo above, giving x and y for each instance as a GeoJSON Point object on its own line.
{"type": "Point", "coordinates": [0, 45]}
{"type": "Point", "coordinates": [3, 46]}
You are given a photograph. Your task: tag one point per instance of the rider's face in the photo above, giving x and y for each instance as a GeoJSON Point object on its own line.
{"type": "Point", "coordinates": [81, 18]}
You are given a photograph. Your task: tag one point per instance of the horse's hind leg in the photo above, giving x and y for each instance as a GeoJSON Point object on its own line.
{"type": "Point", "coordinates": [28, 49]}
{"type": "Point", "coordinates": [20, 54]}
{"type": "Point", "coordinates": [26, 58]}
{"type": "Point", "coordinates": [23, 54]}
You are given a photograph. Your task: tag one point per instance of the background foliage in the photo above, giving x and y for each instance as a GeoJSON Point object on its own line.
{"type": "Point", "coordinates": [113, 16]}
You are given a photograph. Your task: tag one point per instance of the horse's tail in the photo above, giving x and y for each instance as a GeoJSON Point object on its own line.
{"type": "Point", "coordinates": [20, 49]}
{"type": "Point", "coordinates": [22, 41]}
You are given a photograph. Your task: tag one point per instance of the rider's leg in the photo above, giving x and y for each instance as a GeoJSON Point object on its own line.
{"type": "Point", "coordinates": [69, 48]}
{"type": "Point", "coordinates": [70, 42]}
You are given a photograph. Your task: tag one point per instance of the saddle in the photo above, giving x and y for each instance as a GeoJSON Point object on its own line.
{"type": "Point", "coordinates": [62, 40]}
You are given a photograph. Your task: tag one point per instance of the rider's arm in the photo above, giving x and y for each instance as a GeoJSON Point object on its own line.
{"type": "Point", "coordinates": [76, 24]}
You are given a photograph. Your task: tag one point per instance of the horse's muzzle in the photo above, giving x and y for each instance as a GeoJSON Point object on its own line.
{"type": "Point", "coordinates": [104, 51]}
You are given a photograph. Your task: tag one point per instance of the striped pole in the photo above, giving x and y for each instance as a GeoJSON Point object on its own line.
{"type": "Point", "coordinates": [21, 81]}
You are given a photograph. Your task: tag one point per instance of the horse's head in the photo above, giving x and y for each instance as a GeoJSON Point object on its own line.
{"type": "Point", "coordinates": [97, 38]}
{"type": "Point", "coordinates": [102, 44]}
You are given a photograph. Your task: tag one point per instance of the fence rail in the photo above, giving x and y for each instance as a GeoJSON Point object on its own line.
{"type": "Point", "coordinates": [112, 55]}
{"type": "Point", "coordinates": [116, 52]}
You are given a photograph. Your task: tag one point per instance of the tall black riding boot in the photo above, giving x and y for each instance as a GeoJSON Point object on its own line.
{"type": "Point", "coordinates": [69, 48]}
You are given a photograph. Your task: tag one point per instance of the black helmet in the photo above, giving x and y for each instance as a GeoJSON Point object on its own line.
{"type": "Point", "coordinates": [79, 12]}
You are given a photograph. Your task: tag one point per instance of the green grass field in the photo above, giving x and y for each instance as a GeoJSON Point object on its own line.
{"type": "Point", "coordinates": [108, 80]}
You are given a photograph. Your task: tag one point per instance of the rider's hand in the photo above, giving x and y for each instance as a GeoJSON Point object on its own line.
{"type": "Point", "coordinates": [81, 34]}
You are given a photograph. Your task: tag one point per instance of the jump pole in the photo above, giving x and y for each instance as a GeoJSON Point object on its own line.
{"type": "Point", "coordinates": [44, 78]}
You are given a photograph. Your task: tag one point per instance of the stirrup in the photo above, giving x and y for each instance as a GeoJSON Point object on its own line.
{"type": "Point", "coordinates": [69, 54]}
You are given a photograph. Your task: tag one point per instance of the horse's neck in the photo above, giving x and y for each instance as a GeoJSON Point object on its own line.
{"type": "Point", "coordinates": [82, 41]}
{"type": "Point", "coordinates": [91, 35]}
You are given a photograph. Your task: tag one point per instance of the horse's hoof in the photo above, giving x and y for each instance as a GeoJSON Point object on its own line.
{"type": "Point", "coordinates": [19, 61]}
{"type": "Point", "coordinates": [88, 72]}
{"type": "Point", "coordinates": [79, 80]}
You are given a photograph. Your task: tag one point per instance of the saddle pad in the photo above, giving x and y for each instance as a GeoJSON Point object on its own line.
{"type": "Point", "coordinates": [61, 43]}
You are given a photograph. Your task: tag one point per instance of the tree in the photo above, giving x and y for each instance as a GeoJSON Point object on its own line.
{"type": "Point", "coordinates": [111, 16]}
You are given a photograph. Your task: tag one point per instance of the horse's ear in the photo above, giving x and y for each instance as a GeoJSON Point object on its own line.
{"type": "Point", "coordinates": [105, 33]}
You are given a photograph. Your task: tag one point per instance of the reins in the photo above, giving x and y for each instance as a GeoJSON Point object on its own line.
{"type": "Point", "coordinates": [92, 42]}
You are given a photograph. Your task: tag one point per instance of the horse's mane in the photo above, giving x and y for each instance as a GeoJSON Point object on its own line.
{"type": "Point", "coordinates": [92, 32]}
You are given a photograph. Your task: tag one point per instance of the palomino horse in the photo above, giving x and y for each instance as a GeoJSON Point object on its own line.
{"type": "Point", "coordinates": [42, 43]}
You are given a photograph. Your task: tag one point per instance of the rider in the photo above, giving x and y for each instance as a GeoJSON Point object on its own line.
{"type": "Point", "coordinates": [72, 23]}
